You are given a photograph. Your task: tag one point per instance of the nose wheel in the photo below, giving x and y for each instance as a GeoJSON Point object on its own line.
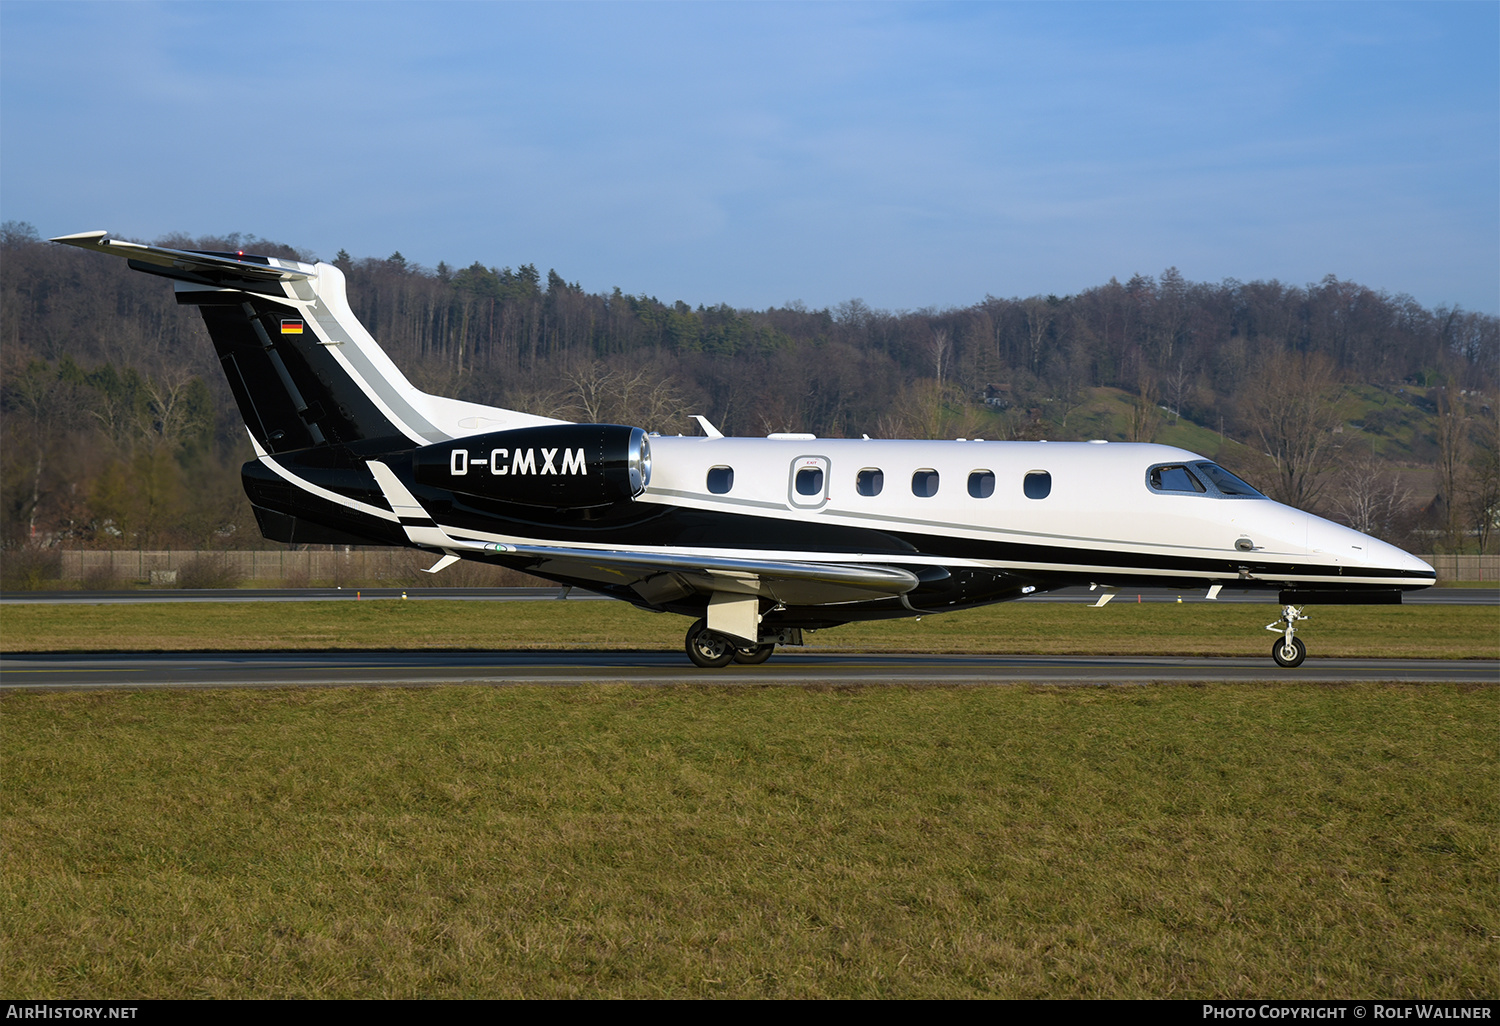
{"type": "Point", "coordinates": [1288, 654]}
{"type": "Point", "coordinates": [1288, 650]}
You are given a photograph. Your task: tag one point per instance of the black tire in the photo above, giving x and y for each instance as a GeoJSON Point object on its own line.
{"type": "Point", "coordinates": [753, 655]}
{"type": "Point", "coordinates": [1288, 659]}
{"type": "Point", "coordinates": [707, 649]}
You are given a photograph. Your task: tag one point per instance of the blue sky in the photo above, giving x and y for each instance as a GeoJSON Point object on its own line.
{"type": "Point", "coordinates": [912, 155]}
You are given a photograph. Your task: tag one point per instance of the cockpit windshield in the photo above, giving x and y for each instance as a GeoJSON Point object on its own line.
{"type": "Point", "coordinates": [1226, 482]}
{"type": "Point", "coordinates": [1189, 478]}
{"type": "Point", "coordinates": [1174, 479]}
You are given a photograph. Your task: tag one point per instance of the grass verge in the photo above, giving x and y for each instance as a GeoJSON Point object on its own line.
{"type": "Point", "coordinates": [1287, 840]}
{"type": "Point", "coordinates": [1121, 628]}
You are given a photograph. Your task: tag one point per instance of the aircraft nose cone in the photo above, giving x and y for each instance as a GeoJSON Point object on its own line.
{"type": "Point", "coordinates": [1326, 538]}
{"type": "Point", "coordinates": [1347, 546]}
{"type": "Point", "coordinates": [1412, 563]}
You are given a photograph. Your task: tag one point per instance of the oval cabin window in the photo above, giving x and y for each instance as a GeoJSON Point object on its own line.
{"type": "Point", "coordinates": [924, 483]}
{"type": "Point", "coordinates": [1038, 484]}
{"type": "Point", "coordinates": [720, 480]}
{"type": "Point", "coordinates": [982, 484]}
{"type": "Point", "coordinates": [869, 482]}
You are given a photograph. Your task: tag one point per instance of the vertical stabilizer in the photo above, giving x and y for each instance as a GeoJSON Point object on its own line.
{"type": "Point", "coordinates": [304, 372]}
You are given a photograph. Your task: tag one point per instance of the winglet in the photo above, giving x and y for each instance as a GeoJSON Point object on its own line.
{"type": "Point", "coordinates": [708, 429]}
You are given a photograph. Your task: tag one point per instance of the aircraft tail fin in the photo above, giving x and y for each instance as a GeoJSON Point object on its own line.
{"type": "Point", "coordinates": [303, 370]}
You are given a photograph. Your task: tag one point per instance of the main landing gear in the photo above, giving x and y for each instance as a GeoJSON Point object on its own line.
{"type": "Point", "coordinates": [714, 651]}
{"type": "Point", "coordinates": [1288, 650]}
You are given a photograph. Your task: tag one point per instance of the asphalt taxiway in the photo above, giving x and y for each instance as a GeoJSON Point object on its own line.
{"type": "Point", "coordinates": [94, 671]}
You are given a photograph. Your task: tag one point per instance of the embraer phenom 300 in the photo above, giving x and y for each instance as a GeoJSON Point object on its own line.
{"type": "Point", "coordinates": [757, 539]}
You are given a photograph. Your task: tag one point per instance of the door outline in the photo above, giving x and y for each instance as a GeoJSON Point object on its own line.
{"type": "Point", "coordinates": [799, 501]}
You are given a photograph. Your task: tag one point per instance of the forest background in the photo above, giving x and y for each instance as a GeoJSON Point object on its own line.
{"type": "Point", "coordinates": [117, 429]}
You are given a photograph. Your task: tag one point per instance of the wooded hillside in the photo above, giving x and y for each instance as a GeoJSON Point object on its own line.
{"type": "Point", "coordinates": [118, 429]}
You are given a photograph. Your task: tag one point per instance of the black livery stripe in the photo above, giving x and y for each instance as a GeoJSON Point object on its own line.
{"type": "Point", "coordinates": [641, 525]}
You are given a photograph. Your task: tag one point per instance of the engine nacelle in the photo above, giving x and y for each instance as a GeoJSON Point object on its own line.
{"type": "Point", "coordinates": [563, 465]}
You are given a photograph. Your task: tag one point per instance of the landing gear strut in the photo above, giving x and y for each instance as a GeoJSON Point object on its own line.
{"type": "Point", "coordinates": [1288, 650]}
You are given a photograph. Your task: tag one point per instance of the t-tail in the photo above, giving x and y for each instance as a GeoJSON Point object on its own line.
{"type": "Point", "coordinates": [317, 393]}
{"type": "Point", "coordinates": [303, 370]}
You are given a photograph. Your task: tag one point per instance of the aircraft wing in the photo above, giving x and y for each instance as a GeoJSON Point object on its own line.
{"type": "Point", "coordinates": [665, 577]}
{"type": "Point", "coordinates": [186, 263]}
{"type": "Point", "coordinates": [656, 576]}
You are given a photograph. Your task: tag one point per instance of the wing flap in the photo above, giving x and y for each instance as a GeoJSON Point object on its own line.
{"type": "Point", "coordinates": [663, 576]}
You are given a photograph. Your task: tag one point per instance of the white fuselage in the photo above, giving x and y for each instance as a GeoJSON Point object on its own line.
{"type": "Point", "coordinates": [1099, 508]}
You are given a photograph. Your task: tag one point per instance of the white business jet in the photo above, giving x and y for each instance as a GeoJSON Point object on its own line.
{"type": "Point", "coordinates": [756, 539]}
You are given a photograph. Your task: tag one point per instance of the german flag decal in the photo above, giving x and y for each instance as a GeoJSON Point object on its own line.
{"type": "Point", "coordinates": [291, 326]}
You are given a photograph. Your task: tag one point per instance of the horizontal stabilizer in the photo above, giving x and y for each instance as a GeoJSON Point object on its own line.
{"type": "Point", "coordinates": [189, 264]}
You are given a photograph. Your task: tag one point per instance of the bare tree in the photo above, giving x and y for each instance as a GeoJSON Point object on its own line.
{"type": "Point", "coordinates": [596, 393]}
{"type": "Point", "coordinates": [1038, 320]}
{"type": "Point", "coordinates": [1370, 498]}
{"type": "Point", "coordinates": [942, 347]}
{"type": "Point", "coordinates": [1145, 414]}
{"type": "Point", "coordinates": [1483, 505]}
{"type": "Point", "coordinates": [1452, 464]}
{"type": "Point", "coordinates": [925, 409]}
{"type": "Point", "coordinates": [1292, 405]}
{"type": "Point", "coordinates": [1180, 384]}
{"type": "Point", "coordinates": [167, 416]}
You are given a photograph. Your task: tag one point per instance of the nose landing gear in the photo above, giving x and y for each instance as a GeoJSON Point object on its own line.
{"type": "Point", "coordinates": [1288, 650]}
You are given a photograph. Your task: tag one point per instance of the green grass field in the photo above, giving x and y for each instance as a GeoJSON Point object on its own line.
{"type": "Point", "coordinates": [1121, 628]}
{"type": "Point", "coordinates": [1285, 840]}
{"type": "Point", "coordinates": [1225, 840]}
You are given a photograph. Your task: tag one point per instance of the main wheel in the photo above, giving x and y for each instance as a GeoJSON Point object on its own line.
{"type": "Point", "coordinates": [707, 649]}
{"type": "Point", "coordinates": [753, 655]}
{"type": "Point", "coordinates": [1288, 655]}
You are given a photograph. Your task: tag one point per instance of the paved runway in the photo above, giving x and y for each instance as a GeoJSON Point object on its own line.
{"type": "Point", "coordinates": [281, 669]}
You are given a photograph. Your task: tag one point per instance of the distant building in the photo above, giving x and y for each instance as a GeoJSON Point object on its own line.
{"type": "Point", "coordinates": [998, 396]}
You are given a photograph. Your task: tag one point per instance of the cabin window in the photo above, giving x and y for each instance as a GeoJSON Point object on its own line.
{"type": "Point", "coordinates": [720, 480]}
{"type": "Point", "coordinates": [924, 483]}
{"type": "Point", "coordinates": [869, 481]}
{"type": "Point", "coordinates": [1224, 481]}
{"type": "Point", "coordinates": [1174, 479]}
{"type": "Point", "coordinates": [810, 481]}
{"type": "Point", "coordinates": [1038, 484]}
{"type": "Point", "coordinates": [982, 484]}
